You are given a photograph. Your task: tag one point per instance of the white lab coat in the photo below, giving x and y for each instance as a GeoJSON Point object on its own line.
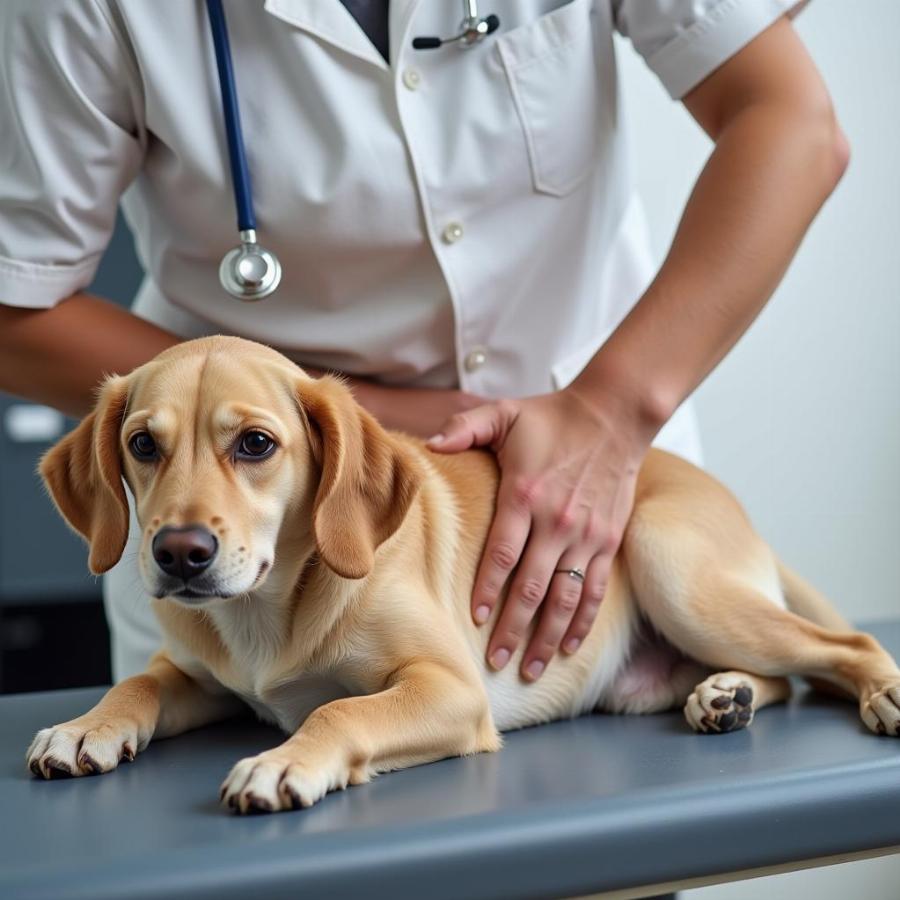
{"type": "Point", "coordinates": [456, 218]}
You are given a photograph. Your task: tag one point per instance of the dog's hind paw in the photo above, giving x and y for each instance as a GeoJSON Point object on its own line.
{"type": "Point", "coordinates": [724, 702]}
{"type": "Point", "coordinates": [881, 712]}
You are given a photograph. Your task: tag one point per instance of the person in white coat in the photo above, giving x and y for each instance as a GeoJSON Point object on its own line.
{"type": "Point", "coordinates": [459, 231]}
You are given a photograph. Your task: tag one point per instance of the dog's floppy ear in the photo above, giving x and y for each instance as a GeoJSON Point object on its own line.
{"type": "Point", "coordinates": [368, 480]}
{"type": "Point", "coordinates": [83, 473]}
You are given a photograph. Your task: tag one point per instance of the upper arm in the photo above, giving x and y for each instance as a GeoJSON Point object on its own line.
{"type": "Point", "coordinates": [773, 68]}
{"type": "Point", "coordinates": [72, 140]}
{"type": "Point", "coordinates": [684, 41]}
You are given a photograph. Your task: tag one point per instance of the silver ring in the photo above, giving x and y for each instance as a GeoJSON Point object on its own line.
{"type": "Point", "coordinates": [576, 573]}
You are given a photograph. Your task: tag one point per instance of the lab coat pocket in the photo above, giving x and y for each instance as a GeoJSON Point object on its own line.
{"type": "Point", "coordinates": [564, 371]}
{"type": "Point", "coordinates": [552, 73]}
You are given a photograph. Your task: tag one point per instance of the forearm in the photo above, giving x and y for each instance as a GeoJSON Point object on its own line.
{"type": "Point", "coordinates": [57, 356]}
{"type": "Point", "coordinates": [774, 164]}
{"type": "Point", "coordinates": [417, 411]}
{"type": "Point", "coordinates": [749, 210]}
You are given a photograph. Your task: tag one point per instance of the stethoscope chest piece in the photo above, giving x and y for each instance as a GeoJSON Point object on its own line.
{"type": "Point", "coordinates": [250, 272]}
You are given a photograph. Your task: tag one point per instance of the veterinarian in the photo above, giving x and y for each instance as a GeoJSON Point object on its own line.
{"type": "Point", "coordinates": [458, 230]}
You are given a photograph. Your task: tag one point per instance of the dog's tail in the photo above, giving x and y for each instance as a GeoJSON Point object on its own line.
{"type": "Point", "coordinates": [805, 600]}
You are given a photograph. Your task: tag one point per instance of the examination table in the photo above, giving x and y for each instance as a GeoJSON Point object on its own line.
{"type": "Point", "coordinates": [602, 803]}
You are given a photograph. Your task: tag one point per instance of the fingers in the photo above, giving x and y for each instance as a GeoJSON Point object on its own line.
{"type": "Point", "coordinates": [505, 542]}
{"type": "Point", "coordinates": [482, 426]}
{"type": "Point", "coordinates": [559, 607]}
{"type": "Point", "coordinates": [596, 577]}
{"type": "Point", "coordinates": [568, 607]}
{"type": "Point", "coordinates": [526, 593]}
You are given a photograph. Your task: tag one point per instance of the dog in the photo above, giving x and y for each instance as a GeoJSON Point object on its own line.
{"type": "Point", "coordinates": [309, 563]}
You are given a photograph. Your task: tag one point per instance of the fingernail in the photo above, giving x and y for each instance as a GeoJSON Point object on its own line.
{"type": "Point", "coordinates": [435, 439]}
{"type": "Point", "coordinates": [571, 645]}
{"type": "Point", "coordinates": [481, 614]}
{"type": "Point", "coordinates": [533, 669]}
{"type": "Point", "coordinates": [500, 658]}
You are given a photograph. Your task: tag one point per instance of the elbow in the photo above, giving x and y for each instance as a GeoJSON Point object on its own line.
{"type": "Point", "coordinates": [840, 152]}
{"type": "Point", "coordinates": [830, 153]}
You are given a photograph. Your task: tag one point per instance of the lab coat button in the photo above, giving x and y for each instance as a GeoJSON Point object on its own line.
{"type": "Point", "coordinates": [412, 78]}
{"type": "Point", "coordinates": [452, 233]}
{"type": "Point", "coordinates": [475, 359]}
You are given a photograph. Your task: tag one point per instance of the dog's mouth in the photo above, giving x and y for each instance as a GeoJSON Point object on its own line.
{"type": "Point", "coordinates": [197, 594]}
{"type": "Point", "coordinates": [193, 597]}
{"type": "Point", "coordinates": [189, 594]}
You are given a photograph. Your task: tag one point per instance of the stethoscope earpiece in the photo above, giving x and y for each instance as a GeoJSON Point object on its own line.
{"type": "Point", "coordinates": [250, 272]}
{"type": "Point", "coordinates": [472, 30]}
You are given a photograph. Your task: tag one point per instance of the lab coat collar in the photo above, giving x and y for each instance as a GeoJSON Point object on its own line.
{"type": "Point", "coordinates": [330, 21]}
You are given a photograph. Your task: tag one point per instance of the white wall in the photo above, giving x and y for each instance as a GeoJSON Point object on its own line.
{"type": "Point", "coordinates": [802, 419]}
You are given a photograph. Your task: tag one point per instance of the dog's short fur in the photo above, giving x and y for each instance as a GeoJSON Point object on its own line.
{"type": "Point", "coordinates": [339, 594]}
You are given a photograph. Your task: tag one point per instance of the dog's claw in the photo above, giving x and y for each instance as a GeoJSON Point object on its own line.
{"type": "Point", "coordinates": [88, 764]}
{"type": "Point", "coordinates": [57, 765]}
{"type": "Point", "coordinates": [258, 804]}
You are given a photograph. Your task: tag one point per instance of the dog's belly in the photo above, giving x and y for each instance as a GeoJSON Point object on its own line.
{"type": "Point", "coordinates": [288, 703]}
{"type": "Point", "coordinates": [565, 691]}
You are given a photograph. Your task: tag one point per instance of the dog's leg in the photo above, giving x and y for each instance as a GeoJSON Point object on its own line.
{"type": "Point", "coordinates": [724, 622]}
{"type": "Point", "coordinates": [428, 712]}
{"type": "Point", "coordinates": [712, 587]}
{"type": "Point", "coordinates": [161, 702]}
{"type": "Point", "coordinates": [727, 701]}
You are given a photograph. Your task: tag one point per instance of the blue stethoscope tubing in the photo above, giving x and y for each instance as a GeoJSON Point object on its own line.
{"type": "Point", "coordinates": [249, 272]}
{"type": "Point", "coordinates": [240, 172]}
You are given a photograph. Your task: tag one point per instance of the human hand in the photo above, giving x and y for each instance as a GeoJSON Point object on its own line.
{"type": "Point", "coordinates": [568, 470]}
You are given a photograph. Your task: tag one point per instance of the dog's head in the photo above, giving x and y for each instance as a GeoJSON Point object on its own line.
{"type": "Point", "coordinates": [230, 451]}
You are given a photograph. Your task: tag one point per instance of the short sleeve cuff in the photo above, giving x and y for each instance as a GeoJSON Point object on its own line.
{"type": "Point", "coordinates": [40, 286]}
{"type": "Point", "coordinates": [693, 54]}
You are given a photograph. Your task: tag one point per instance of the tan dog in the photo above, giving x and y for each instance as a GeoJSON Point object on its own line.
{"type": "Point", "coordinates": [320, 568]}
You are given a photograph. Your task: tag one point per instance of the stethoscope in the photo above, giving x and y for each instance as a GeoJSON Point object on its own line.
{"type": "Point", "coordinates": [250, 272]}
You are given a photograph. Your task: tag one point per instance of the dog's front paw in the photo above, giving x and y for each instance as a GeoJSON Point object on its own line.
{"type": "Point", "coordinates": [724, 702]}
{"type": "Point", "coordinates": [275, 781]}
{"type": "Point", "coordinates": [83, 747]}
{"type": "Point", "coordinates": [881, 712]}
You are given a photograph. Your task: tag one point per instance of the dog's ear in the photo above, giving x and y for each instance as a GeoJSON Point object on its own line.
{"type": "Point", "coordinates": [368, 481]}
{"type": "Point", "coordinates": [83, 474]}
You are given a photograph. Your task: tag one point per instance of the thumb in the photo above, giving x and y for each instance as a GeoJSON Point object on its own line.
{"type": "Point", "coordinates": [476, 427]}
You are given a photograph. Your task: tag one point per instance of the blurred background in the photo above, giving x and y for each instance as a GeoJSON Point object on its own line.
{"type": "Point", "coordinates": [802, 420]}
{"type": "Point", "coordinates": [52, 630]}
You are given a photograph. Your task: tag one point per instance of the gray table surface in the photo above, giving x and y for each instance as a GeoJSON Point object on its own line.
{"type": "Point", "coordinates": [599, 803]}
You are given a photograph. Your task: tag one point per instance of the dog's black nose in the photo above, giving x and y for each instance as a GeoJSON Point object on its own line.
{"type": "Point", "coordinates": [184, 552]}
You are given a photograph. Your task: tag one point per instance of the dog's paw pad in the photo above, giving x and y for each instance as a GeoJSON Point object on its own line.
{"type": "Point", "coordinates": [720, 704]}
{"type": "Point", "coordinates": [881, 712]}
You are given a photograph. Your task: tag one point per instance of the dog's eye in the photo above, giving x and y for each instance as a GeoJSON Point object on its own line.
{"type": "Point", "coordinates": [142, 446]}
{"type": "Point", "coordinates": [255, 445]}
